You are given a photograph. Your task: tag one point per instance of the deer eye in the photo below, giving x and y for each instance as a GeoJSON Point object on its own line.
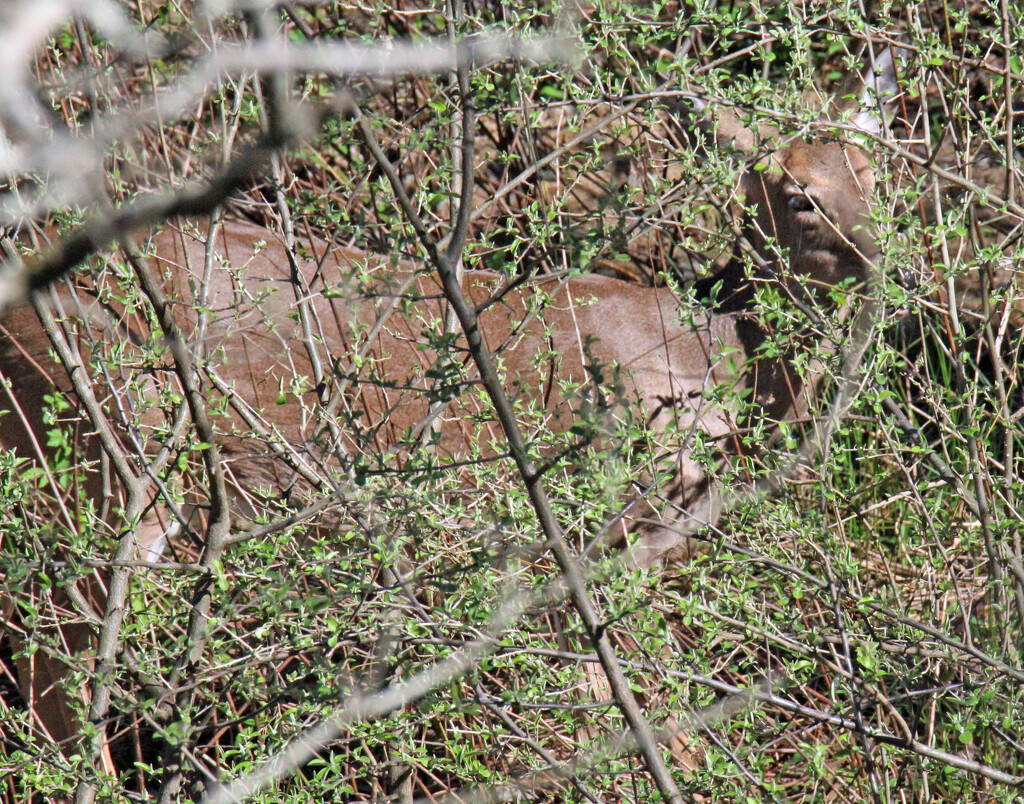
{"type": "Point", "coordinates": [800, 202]}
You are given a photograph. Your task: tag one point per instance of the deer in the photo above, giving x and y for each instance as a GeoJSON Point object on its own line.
{"type": "Point", "coordinates": [312, 361]}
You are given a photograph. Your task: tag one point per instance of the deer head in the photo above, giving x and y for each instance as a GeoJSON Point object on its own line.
{"type": "Point", "coordinates": [811, 202]}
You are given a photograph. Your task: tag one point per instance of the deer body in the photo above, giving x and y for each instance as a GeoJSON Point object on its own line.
{"type": "Point", "coordinates": [252, 342]}
{"type": "Point", "coordinates": [287, 428]}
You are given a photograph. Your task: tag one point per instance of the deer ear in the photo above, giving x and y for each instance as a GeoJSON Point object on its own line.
{"type": "Point", "coordinates": [731, 133]}
{"type": "Point", "coordinates": [869, 97]}
{"type": "Point", "coordinates": [713, 127]}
